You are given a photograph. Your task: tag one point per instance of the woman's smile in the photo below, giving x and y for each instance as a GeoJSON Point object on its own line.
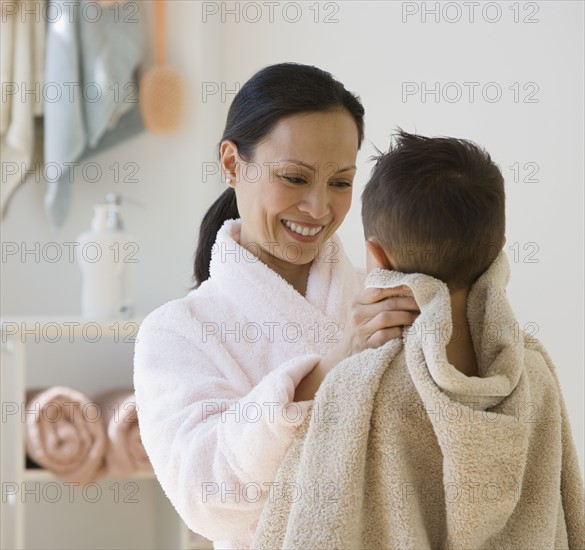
{"type": "Point", "coordinates": [301, 231]}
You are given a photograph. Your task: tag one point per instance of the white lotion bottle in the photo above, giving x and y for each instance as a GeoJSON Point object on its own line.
{"type": "Point", "coordinates": [103, 256]}
{"type": "Point", "coordinates": [125, 250]}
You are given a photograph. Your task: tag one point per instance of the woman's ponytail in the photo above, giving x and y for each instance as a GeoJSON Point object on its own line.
{"type": "Point", "coordinates": [224, 208]}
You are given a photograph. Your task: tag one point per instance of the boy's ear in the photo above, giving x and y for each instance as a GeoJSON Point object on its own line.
{"type": "Point", "coordinates": [376, 256]}
{"type": "Point", "coordinates": [504, 242]}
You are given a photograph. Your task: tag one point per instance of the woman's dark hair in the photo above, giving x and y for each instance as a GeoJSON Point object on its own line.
{"type": "Point", "coordinates": [275, 92]}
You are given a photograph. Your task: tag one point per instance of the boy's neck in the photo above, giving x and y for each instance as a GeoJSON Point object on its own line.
{"type": "Point", "coordinates": [460, 351]}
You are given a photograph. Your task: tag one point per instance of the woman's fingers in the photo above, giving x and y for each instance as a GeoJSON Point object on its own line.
{"type": "Point", "coordinates": [362, 313]}
{"type": "Point", "coordinates": [398, 303]}
{"type": "Point", "coordinates": [378, 315]}
{"type": "Point", "coordinates": [373, 294]}
{"type": "Point", "coordinates": [380, 337]}
{"type": "Point", "coordinates": [386, 322]}
{"type": "Point", "coordinates": [382, 327]}
{"type": "Point", "coordinates": [388, 319]}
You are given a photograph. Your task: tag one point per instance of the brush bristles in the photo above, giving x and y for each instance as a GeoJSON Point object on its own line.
{"type": "Point", "coordinates": [162, 99]}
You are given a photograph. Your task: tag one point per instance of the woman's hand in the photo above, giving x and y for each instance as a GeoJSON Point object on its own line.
{"type": "Point", "coordinates": [377, 315]}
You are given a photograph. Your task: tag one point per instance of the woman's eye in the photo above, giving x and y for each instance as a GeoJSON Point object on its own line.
{"type": "Point", "coordinates": [293, 179]}
{"type": "Point", "coordinates": [342, 184]}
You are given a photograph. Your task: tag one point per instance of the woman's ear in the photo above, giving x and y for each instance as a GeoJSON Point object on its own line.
{"type": "Point", "coordinates": [504, 242]}
{"type": "Point", "coordinates": [230, 161]}
{"type": "Point", "coordinates": [376, 256]}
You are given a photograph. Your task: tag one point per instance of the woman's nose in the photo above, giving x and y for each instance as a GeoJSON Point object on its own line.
{"type": "Point", "coordinates": [316, 202]}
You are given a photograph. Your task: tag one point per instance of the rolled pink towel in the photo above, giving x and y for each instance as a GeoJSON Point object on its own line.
{"type": "Point", "coordinates": [65, 434]}
{"type": "Point", "coordinates": [125, 453]}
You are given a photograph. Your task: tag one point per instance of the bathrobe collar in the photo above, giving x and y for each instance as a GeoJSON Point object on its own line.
{"type": "Point", "coordinates": [331, 286]}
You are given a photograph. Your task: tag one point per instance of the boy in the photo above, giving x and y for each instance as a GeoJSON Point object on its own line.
{"type": "Point", "coordinates": [457, 436]}
{"type": "Point", "coordinates": [437, 206]}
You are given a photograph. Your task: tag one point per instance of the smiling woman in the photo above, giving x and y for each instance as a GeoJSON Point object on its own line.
{"type": "Point", "coordinates": [293, 204]}
{"type": "Point", "coordinates": [224, 376]}
{"type": "Point", "coordinates": [289, 123]}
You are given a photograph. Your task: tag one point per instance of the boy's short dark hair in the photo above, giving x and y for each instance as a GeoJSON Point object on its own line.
{"type": "Point", "coordinates": [437, 205]}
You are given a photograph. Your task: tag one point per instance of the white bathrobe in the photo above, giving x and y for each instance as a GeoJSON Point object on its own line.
{"type": "Point", "coordinates": [214, 371]}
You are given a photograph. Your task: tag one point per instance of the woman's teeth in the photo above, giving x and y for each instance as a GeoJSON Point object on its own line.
{"type": "Point", "coordinates": [304, 231]}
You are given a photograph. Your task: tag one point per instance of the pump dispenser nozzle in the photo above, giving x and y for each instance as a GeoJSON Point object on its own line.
{"type": "Point", "coordinates": [113, 206]}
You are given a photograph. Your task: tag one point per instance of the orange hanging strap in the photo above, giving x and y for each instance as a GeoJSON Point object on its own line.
{"type": "Point", "coordinates": [160, 31]}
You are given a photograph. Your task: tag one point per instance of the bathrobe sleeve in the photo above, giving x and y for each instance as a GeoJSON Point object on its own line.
{"type": "Point", "coordinates": [215, 440]}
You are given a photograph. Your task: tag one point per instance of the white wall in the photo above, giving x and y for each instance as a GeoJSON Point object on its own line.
{"type": "Point", "coordinates": [369, 48]}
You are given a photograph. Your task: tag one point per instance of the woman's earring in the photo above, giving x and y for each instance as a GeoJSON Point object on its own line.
{"type": "Point", "coordinates": [228, 181]}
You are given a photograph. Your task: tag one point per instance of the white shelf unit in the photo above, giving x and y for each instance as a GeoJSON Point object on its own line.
{"type": "Point", "coordinates": [38, 511]}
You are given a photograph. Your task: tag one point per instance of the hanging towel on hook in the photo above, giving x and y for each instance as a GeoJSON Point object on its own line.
{"type": "Point", "coordinates": [22, 51]}
{"type": "Point", "coordinates": [94, 56]}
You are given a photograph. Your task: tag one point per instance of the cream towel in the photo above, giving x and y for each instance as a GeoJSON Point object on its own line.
{"type": "Point", "coordinates": [401, 450]}
{"type": "Point", "coordinates": [22, 60]}
{"type": "Point", "coordinates": [7, 22]}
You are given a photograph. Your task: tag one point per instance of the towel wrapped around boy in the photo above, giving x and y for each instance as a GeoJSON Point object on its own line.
{"type": "Point", "coordinates": [401, 450]}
